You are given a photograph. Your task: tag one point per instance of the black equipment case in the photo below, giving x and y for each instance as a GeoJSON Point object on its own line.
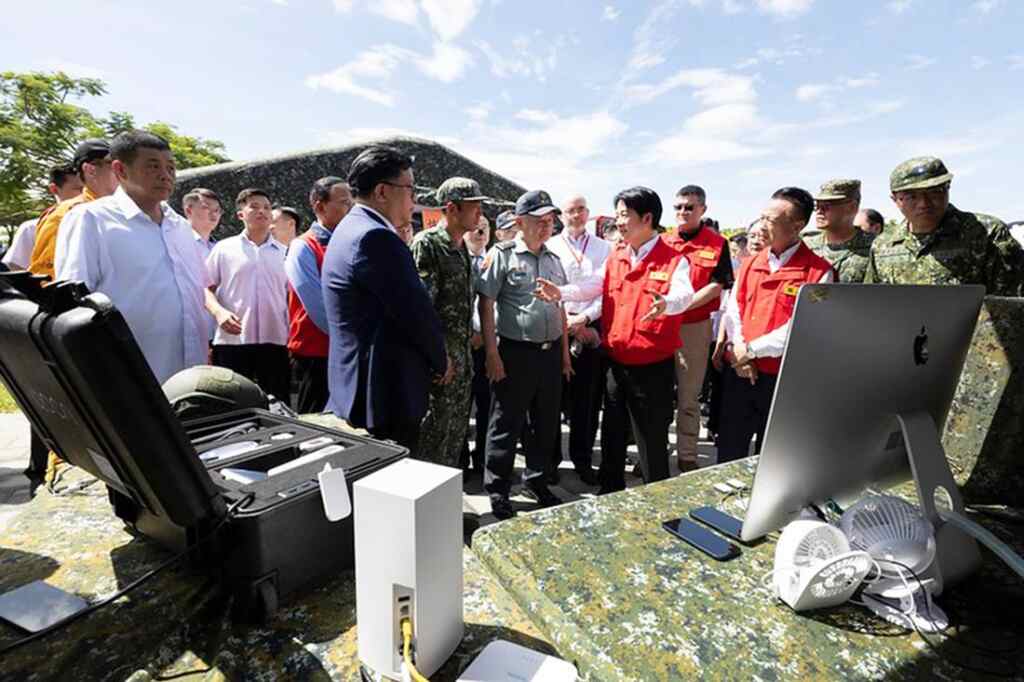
{"type": "Point", "coordinates": [74, 368]}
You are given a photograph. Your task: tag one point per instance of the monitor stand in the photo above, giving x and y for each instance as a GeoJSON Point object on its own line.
{"type": "Point", "coordinates": [956, 553]}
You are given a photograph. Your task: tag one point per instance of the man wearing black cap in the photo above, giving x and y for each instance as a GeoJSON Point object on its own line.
{"type": "Point", "coordinates": [92, 163]}
{"type": "Point", "coordinates": [525, 366]}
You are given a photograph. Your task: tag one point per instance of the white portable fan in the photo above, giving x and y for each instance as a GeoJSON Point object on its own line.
{"type": "Point", "coordinates": [902, 542]}
{"type": "Point", "coordinates": [814, 566]}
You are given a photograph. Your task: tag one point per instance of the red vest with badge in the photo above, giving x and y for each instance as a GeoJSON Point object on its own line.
{"type": "Point", "coordinates": [766, 299]}
{"type": "Point", "coordinates": [304, 337]}
{"type": "Point", "coordinates": [702, 253]}
{"type": "Point", "coordinates": [627, 298]}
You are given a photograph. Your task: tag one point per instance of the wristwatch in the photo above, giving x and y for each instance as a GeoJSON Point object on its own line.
{"type": "Point", "coordinates": [750, 350]}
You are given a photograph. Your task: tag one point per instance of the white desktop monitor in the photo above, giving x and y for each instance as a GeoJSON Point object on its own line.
{"type": "Point", "coordinates": [866, 381]}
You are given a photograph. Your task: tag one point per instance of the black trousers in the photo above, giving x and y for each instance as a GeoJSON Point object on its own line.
{"type": "Point", "coordinates": [581, 402]}
{"type": "Point", "coordinates": [744, 413]}
{"type": "Point", "coordinates": [406, 434]}
{"type": "Point", "coordinates": [532, 386]}
{"type": "Point", "coordinates": [38, 455]}
{"type": "Point", "coordinates": [311, 375]}
{"type": "Point", "coordinates": [640, 396]}
{"type": "Point", "coordinates": [264, 363]}
{"type": "Point", "coordinates": [481, 392]}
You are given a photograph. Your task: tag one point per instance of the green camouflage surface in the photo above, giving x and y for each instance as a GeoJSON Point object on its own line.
{"type": "Point", "coordinates": [178, 624]}
{"type": "Point", "coordinates": [839, 189]}
{"type": "Point", "coordinates": [849, 259]}
{"type": "Point", "coordinates": [920, 172]}
{"type": "Point", "coordinates": [966, 248]}
{"type": "Point", "coordinates": [448, 277]}
{"type": "Point", "coordinates": [984, 433]}
{"type": "Point", "coordinates": [625, 600]}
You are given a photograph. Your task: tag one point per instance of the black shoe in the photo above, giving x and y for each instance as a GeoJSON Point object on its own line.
{"type": "Point", "coordinates": [587, 475]}
{"type": "Point", "coordinates": [542, 494]}
{"type": "Point", "coordinates": [502, 509]}
{"type": "Point", "coordinates": [553, 478]}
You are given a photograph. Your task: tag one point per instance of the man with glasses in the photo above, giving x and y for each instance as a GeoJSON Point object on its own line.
{"type": "Point", "coordinates": [940, 244]}
{"type": "Point", "coordinates": [840, 242]}
{"type": "Point", "coordinates": [443, 264]}
{"type": "Point", "coordinates": [710, 262]}
{"type": "Point", "coordinates": [386, 340]}
{"type": "Point", "coordinates": [93, 164]}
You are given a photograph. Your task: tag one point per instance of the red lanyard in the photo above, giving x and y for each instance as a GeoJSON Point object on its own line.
{"type": "Point", "coordinates": [577, 255]}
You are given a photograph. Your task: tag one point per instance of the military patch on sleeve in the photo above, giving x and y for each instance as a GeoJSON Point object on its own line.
{"type": "Point", "coordinates": [487, 260]}
{"type": "Point", "coordinates": [791, 289]}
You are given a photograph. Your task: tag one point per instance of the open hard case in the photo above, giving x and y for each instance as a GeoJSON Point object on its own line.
{"type": "Point", "coordinates": [74, 368]}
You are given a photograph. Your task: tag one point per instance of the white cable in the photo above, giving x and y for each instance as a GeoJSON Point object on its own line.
{"type": "Point", "coordinates": [982, 535]}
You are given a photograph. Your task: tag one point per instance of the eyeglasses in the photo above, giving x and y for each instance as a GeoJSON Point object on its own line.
{"type": "Point", "coordinates": [685, 207]}
{"type": "Point", "coordinates": [411, 188]}
{"type": "Point", "coordinates": [480, 230]}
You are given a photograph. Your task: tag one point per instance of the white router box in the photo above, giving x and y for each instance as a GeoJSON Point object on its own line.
{"type": "Point", "coordinates": [408, 545]}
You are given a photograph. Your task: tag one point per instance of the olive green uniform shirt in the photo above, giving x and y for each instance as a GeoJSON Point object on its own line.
{"type": "Point", "coordinates": [447, 275]}
{"type": "Point", "coordinates": [966, 248]}
{"type": "Point", "coordinates": [849, 259]}
{"type": "Point", "coordinates": [509, 276]}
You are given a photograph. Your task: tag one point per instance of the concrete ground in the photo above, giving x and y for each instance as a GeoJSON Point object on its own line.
{"type": "Point", "coordinates": [14, 487]}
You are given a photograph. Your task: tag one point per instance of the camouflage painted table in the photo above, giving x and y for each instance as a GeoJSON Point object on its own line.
{"type": "Point", "coordinates": [178, 624]}
{"type": "Point", "coordinates": [627, 601]}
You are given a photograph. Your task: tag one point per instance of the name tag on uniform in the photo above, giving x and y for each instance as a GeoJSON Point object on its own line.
{"type": "Point", "coordinates": [706, 254]}
{"type": "Point", "coordinates": [791, 289]}
{"type": "Point", "coordinates": [658, 276]}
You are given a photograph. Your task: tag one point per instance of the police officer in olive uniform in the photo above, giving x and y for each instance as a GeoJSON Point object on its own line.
{"type": "Point", "coordinates": [527, 352]}
{"type": "Point", "coordinates": [939, 244]}
{"type": "Point", "coordinates": [444, 266]}
{"type": "Point", "coordinates": [840, 242]}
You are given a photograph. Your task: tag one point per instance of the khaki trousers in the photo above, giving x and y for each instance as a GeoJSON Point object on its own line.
{"type": "Point", "coordinates": [691, 364]}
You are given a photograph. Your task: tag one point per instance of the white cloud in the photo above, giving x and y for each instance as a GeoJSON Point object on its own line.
{"type": "Point", "coordinates": [916, 62]}
{"type": "Point", "coordinates": [402, 11]}
{"type": "Point", "coordinates": [822, 92]}
{"type": "Point", "coordinates": [979, 62]}
{"type": "Point", "coordinates": [447, 63]}
{"type": "Point", "coordinates": [610, 13]}
{"type": "Point", "coordinates": [899, 6]}
{"type": "Point", "coordinates": [784, 8]}
{"type": "Point", "coordinates": [527, 60]}
{"type": "Point", "coordinates": [576, 137]}
{"type": "Point", "coordinates": [711, 87]}
{"type": "Point", "coordinates": [449, 18]}
{"type": "Point", "coordinates": [731, 6]}
{"type": "Point", "coordinates": [279, 3]}
{"type": "Point", "coordinates": [725, 120]}
{"type": "Point", "coordinates": [685, 149]}
{"type": "Point", "coordinates": [536, 116]}
{"type": "Point", "coordinates": [343, 6]}
{"type": "Point", "coordinates": [985, 6]}
{"type": "Point", "coordinates": [652, 39]}
{"type": "Point", "coordinates": [480, 111]}
{"type": "Point", "coordinates": [810, 92]}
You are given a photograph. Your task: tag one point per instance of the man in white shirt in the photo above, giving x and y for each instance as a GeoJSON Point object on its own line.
{"type": "Point", "coordinates": [757, 319]}
{"type": "Point", "coordinates": [134, 248]}
{"type": "Point", "coordinates": [64, 184]}
{"type": "Point", "coordinates": [248, 298]}
{"type": "Point", "coordinates": [645, 287]}
{"type": "Point", "coordinates": [582, 254]}
{"type": "Point", "coordinates": [203, 210]}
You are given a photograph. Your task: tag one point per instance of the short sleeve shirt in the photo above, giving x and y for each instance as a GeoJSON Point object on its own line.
{"type": "Point", "coordinates": [509, 275]}
{"type": "Point", "coordinates": [849, 259]}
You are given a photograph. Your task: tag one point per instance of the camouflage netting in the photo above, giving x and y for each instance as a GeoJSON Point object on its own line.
{"type": "Point", "coordinates": [288, 178]}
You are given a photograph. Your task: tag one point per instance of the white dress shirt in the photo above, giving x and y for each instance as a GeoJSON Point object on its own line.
{"type": "Point", "coordinates": [251, 282]}
{"type": "Point", "coordinates": [772, 344]}
{"type": "Point", "coordinates": [152, 273]}
{"type": "Point", "coordinates": [680, 291]}
{"type": "Point", "coordinates": [581, 257]}
{"type": "Point", "coordinates": [19, 254]}
{"type": "Point", "coordinates": [205, 246]}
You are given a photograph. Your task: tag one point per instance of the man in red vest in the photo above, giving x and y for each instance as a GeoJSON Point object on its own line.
{"type": "Point", "coordinates": [330, 199]}
{"type": "Point", "coordinates": [757, 319]}
{"type": "Point", "coordinates": [710, 261]}
{"type": "Point", "coordinates": [644, 287]}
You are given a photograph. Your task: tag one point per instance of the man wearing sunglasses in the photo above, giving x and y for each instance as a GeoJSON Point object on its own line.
{"type": "Point", "coordinates": [938, 243]}
{"type": "Point", "coordinates": [840, 242]}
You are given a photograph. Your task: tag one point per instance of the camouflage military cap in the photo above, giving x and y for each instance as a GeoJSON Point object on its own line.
{"type": "Point", "coordinates": [459, 189]}
{"type": "Point", "coordinates": [920, 172]}
{"type": "Point", "coordinates": [506, 220]}
{"type": "Point", "coordinates": [839, 190]}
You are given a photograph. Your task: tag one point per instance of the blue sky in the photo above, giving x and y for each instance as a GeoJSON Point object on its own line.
{"type": "Point", "coordinates": [739, 96]}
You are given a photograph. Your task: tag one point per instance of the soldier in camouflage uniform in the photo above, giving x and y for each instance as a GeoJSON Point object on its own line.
{"type": "Point", "coordinates": [444, 266]}
{"type": "Point", "coordinates": [940, 244]}
{"type": "Point", "coordinates": [840, 242]}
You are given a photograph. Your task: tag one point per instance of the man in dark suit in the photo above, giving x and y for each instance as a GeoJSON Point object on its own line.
{"type": "Point", "coordinates": [386, 340]}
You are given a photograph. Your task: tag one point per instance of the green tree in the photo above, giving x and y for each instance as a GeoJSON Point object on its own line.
{"type": "Point", "coordinates": [40, 124]}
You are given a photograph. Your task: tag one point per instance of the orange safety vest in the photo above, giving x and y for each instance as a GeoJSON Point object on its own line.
{"type": "Point", "coordinates": [766, 299]}
{"type": "Point", "coordinates": [304, 337]}
{"type": "Point", "coordinates": [627, 298]}
{"type": "Point", "coordinates": [702, 252]}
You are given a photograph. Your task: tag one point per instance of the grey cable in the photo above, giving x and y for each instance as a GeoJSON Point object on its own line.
{"type": "Point", "coordinates": [1000, 548]}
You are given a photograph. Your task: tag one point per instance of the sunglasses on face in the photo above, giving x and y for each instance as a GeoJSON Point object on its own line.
{"type": "Point", "coordinates": [685, 207]}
